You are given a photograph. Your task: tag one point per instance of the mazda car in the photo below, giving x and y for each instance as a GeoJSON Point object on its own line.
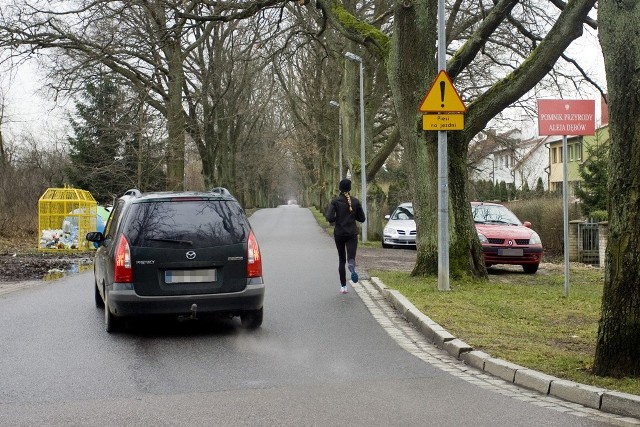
{"type": "Point", "coordinates": [182, 254]}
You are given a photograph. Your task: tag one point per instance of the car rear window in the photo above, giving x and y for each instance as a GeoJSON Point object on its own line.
{"type": "Point", "coordinates": [186, 223]}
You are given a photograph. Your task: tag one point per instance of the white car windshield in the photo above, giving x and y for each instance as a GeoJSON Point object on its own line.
{"type": "Point", "coordinates": [403, 213]}
{"type": "Point", "coordinates": [490, 214]}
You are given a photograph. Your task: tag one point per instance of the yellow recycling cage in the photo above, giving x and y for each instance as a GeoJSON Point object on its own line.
{"type": "Point", "coordinates": [65, 216]}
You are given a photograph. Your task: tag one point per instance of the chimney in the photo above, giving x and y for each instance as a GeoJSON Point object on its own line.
{"type": "Point", "coordinates": [604, 112]}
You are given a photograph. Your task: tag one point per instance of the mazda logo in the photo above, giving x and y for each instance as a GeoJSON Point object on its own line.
{"type": "Point", "coordinates": [191, 255]}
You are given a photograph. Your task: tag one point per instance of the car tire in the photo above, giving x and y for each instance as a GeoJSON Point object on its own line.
{"type": "Point", "coordinates": [111, 322]}
{"type": "Point", "coordinates": [530, 268]}
{"type": "Point", "coordinates": [99, 301]}
{"type": "Point", "coordinates": [385, 246]}
{"type": "Point", "coordinates": [252, 319]}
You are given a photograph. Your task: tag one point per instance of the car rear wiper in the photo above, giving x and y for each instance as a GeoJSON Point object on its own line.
{"type": "Point", "coordinates": [181, 242]}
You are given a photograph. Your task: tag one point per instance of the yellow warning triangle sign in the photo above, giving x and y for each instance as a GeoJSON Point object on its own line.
{"type": "Point", "coordinates": [442, 97]}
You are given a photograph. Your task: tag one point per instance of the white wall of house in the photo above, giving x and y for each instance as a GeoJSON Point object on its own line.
{"type": "Point", "coordinates": [484, 170]}
{"type": "Point", "coordinates": [527, 162]}
{"type": "Point", "coordinates": [504, 161]}
{"type": "Point", "coordinates": [534, 164]}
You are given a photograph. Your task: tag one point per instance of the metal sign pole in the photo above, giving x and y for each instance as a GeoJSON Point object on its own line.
{"type": "Point", "coordinates": [565, 210]}
{"type": "Point", "coordinates": [443, 178]}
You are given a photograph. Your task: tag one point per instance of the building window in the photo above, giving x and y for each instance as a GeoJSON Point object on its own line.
{"type": "Point", "coordinates": [574, 152]}
{"type": "Point", "coordinates": [557, 155]}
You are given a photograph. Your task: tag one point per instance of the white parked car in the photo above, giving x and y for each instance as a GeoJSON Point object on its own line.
{"type": "Point", "coordinates": [400, 230]}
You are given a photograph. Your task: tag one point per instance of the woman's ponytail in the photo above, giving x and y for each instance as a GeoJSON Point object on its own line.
{"type": "Point", "coordinates": [348, 196]}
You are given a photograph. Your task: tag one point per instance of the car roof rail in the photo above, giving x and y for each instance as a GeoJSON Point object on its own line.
{"type": "Point", "coordinates": [133, 192]}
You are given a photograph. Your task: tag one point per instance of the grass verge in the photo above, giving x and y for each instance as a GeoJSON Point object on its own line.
{"type": "Point", "coordinates": [524, 319]}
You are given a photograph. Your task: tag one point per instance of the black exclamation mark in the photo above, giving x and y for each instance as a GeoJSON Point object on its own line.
{"type": "Point", "coordinates": [442, 84]}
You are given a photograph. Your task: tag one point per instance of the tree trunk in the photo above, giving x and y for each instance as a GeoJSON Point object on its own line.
{"type": "Point", "coordinates": [411, 66]}
{"type": "Point", "coordinates": [175, 117]}
{"type": "Point", "coordinates": [375, 164]}
{"type": "Point", "coordinates": [350, 111]}
{"type": "Point", "coordinates": [3, 155]}
{"type": "Point", "coordinates": [465, 251]}
{"type": "Point", "coordinates": [618, 344]}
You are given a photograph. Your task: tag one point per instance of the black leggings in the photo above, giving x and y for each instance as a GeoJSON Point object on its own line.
{"type": "Point", "coordinates": [347, 247]}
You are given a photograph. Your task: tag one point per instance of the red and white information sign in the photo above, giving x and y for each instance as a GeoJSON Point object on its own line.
{"type": "Point", "coordinates": [566, 117]}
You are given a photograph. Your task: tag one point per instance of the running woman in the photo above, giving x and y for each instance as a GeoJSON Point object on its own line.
{"type": "Point", "coordinates": [343, 212]}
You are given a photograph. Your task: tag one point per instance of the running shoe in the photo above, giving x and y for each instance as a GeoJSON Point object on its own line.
{"type": "Point", "coordinates": [343, 289]}
{"type": "Point", "coordinates": [354, 275]}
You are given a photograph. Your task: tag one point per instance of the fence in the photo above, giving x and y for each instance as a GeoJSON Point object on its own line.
{"type": "Point", "coordinates": [587, 242]}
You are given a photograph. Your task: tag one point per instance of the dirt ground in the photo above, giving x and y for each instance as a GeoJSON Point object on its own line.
{"type": "Point", "coordinates": [386, 259]}
{"type": "Point", "coordinates": [16, 267]}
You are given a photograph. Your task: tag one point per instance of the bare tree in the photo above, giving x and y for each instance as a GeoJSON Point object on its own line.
{"type": "Point", "coordinates": [145, 42]}
{"type": "Point", "coordinates": [31, 168]}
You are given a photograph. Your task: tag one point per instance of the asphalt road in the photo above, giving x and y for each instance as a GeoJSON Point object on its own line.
{"type": "Point", "coordinates": [321, 358]}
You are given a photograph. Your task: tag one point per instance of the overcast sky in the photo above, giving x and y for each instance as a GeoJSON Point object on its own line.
{"type": "Point", "coordinates": [28, 107]}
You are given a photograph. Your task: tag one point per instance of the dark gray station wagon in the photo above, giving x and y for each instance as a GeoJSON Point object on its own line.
{"type": "Point", "coordinates": [178, 253]}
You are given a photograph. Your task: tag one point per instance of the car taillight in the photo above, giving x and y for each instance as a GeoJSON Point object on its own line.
{"type": "Point", "coordinates": [123, 272]}
{"type": "Point", "coordinates": [254, 260]}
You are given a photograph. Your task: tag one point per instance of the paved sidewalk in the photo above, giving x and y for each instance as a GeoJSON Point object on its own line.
{"type": "Point", "coordinates": [427, 340]}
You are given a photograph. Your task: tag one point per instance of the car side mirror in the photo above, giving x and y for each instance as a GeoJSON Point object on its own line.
{"type": "Point", "coordinates": [387, 216]}
{"type": "Point", "coordinates": [95, 236]}
{"type": "Point", "coordinates": [527, 224]}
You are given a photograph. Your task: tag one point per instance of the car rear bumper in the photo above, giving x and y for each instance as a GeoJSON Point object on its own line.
{"type": "Point", "coordinates": [129, 303]}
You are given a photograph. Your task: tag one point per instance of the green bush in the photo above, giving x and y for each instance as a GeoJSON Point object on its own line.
{"type": "Point", "coordinates": [599, 216]}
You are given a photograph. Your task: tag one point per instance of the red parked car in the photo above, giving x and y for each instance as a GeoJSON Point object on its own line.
{"type": "Point", "coordinates": [504, 239]}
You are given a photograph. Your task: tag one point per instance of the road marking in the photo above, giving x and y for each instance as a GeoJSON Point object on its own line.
{"type": "Point", "coordinates": [399, 328]}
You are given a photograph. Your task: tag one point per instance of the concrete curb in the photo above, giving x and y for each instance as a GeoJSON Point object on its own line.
{"type": "Point", "coordinates": [593, 397]}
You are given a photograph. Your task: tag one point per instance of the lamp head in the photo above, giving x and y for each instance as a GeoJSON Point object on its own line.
{"type": "Point", "coordinates": [353, 57]}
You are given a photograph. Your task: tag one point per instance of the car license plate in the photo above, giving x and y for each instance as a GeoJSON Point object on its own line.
{"type": "Point", "coordinates": [190, 276]}
{"type": "Point", "coordinates": [510, 252]}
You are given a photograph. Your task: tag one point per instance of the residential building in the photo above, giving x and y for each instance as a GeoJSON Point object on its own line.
{"type": "Point", "coordinates": [577, 153]}
{"type": "Point", "coordinates": [506, 157]}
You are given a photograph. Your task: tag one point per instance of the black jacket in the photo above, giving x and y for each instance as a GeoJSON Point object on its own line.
{"type": "Point", "coordinates": [339, 215]}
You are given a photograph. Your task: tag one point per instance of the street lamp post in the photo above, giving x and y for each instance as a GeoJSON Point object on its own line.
{"type": "Point", "coordinates": [363, 175]}
{"type": "Point", "coordinates": [335, 104]}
